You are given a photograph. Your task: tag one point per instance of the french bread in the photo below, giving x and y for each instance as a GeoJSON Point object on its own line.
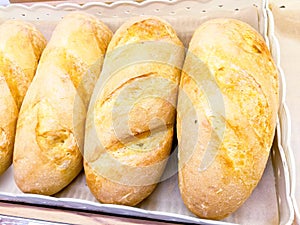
{"type": "Point", "coordinates": [130, 121]}
{"type": "Point", "coordinates": [226, 119]}
{"type": "Point", "coordinates": [50, 128]}
{"type": "Point", "coordinates": [21, 45]}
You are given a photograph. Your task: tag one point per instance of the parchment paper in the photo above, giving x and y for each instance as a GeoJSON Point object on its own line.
{"type": "Point", "coordinates": [287, 30]}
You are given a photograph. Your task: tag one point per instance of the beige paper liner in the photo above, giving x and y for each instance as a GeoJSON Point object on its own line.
{"type": "Point", "coordinates": [287, 30]}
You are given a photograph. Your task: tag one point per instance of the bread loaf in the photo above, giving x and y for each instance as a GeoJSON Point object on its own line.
{"type": "Point", "coordinates": [21, 45]}
{"type": "Point", "coordinates": [50, 128]}
{"type": "Point", "coordinates": [129, 126]}
{"type": "Point", "coordinates": [226, 119]}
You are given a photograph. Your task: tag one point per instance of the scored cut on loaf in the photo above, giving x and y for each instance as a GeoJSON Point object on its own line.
{"type": "Point", "coordinates": [130, 121]}
{"type": "Point", "coordinates": [50, 129]}
{"type": "Point", "coordinates": [21, 46]}
{"type": "Point", "coordinates": [226, 119]}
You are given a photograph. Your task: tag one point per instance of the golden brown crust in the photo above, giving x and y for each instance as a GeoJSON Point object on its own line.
{"type": "Point", "coordinates": [144, 29]}
{"type": "Point", "coordinates": [139, 139]}
{"type": "Point", "coordinates": [50, 128]}
{"type": "Point", "coordinates": [243, 69]}
{"type": "Point", "coordinates": [20, 48]}
{"type": "Point", "coordinates": [110, 192]}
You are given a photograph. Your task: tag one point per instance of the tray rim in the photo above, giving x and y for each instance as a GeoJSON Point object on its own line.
{"type": "Point", "coordinates": [101, 3]}
{"type": "Point", "coordinates": [285, 112]}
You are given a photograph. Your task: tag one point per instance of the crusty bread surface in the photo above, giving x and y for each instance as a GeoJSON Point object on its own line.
{"type": "Point", "coordinates": [21, 45]}
{"type": "Point", "coordinates": [225, 139]}
{"type": "Point", "coordinates": [126, 150]}
{"type": "Point", "coordinates": [50, 129]}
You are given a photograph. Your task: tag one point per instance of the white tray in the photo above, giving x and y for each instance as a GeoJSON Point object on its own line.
{"type": "Point", "coordinates": [287, 37]}
{"type": "Point", "coordinates": [271, 201]}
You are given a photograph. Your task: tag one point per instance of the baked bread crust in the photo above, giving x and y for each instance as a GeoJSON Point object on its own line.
{"type": "Point", "coordinates": [134, 160]}
{"type": "Point", "coordinates": [239, 61]}
{"type": "Point", "coordinates": [21, 45]}
{"type": "Point", "coordinates": [50, 128]}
